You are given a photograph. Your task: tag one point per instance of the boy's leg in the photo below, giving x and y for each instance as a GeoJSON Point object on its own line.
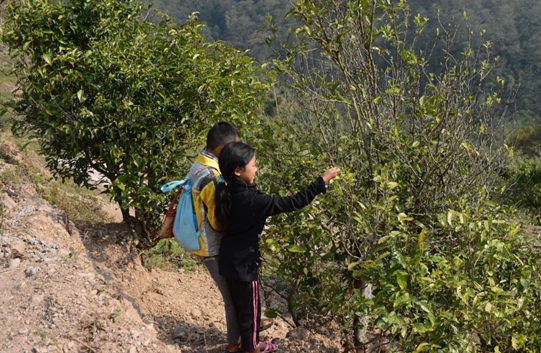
{"type": "Point", "coordinates": [233, 332]}
{"type": "Point", "coordinates": [245, 297]}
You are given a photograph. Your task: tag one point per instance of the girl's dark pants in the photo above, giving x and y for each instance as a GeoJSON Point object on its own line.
{"type": "Point", "coordinates": [245, 297]}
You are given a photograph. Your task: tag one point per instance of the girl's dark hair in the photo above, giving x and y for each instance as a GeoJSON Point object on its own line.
{"type": "Point", "coordinates": [234, 155]}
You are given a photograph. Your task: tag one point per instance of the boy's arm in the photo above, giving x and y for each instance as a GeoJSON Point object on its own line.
{"type": "Point", "coordinates": [265, 205]}
{"type": "Point", "coordinates": [208, 192]}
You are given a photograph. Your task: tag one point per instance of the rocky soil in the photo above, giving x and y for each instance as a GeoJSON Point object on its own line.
{"type": "Point", "coordinates": [76, 286]}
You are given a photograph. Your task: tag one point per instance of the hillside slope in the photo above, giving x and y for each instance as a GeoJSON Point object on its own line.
{"type": "Point", "coordinates": [79, 286]}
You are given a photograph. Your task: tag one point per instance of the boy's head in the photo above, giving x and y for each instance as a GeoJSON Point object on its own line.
{"type": "Point", "coordinates": [221, 134]}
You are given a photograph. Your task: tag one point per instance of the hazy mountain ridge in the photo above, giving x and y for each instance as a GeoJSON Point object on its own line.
{"type": "Point", "coordinates": [511, 26]}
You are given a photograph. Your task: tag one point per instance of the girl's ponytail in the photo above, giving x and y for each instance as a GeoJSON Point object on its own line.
{"type": "Point", "coordinates": [222, 203]}
{"type": "Point", "coordinates": [234, 155]}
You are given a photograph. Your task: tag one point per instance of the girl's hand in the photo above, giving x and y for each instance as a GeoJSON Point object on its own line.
{"type": "Point", "coordinates": [330, 174]}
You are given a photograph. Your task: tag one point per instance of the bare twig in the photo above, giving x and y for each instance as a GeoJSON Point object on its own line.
{"type": "Point", "coordinates": [80, 342]}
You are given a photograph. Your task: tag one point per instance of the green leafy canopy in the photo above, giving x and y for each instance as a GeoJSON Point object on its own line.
{"type": "Point", "coordinates": [104, 88]}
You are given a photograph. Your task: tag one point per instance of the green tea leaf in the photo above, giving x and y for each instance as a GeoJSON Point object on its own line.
{"type": "Point", "coordinates": [47, 58]}
{"type": "Point", "coordinates": [295, 248]}
{"type": "Point", "coordinates": [402, 281]}
{"type": "Point", "coordinates": [271, 314]}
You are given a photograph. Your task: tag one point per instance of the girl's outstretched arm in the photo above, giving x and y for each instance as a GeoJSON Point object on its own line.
{"type": "Point", "coordinates": [265, 206]}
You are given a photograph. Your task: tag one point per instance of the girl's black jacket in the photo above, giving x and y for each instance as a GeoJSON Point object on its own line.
{"type": "Point", "coordinates": [239, 249]}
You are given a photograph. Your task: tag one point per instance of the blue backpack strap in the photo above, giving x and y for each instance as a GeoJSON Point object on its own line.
{"type": "Point", "coordinates": [173, 184]}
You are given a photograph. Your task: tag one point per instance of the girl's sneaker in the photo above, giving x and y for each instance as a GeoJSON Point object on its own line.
{"type": "Point", "coordinates": [269, 347]}
{"type": "Point", "coordinates": [239, 348]}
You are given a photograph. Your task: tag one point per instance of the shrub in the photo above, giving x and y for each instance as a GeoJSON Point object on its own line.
{"type": "Point", "coordinates": [522, 178]}
{"type": "Point", "coordinates": [102, 88]}
{"type": "Point", "coordinates": [411, 216]}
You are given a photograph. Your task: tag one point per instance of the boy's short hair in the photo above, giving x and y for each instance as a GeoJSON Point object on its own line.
{"type": "Point", "coordinates": [221, 134]}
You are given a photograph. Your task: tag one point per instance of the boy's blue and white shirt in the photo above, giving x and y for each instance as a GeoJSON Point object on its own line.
{"type": "Point", "coordinates": [203, 193]}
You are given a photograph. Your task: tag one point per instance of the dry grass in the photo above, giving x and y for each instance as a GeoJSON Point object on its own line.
{"type": "Point", "coordinates": [79, 202]}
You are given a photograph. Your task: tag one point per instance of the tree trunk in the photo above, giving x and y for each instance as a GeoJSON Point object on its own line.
{"type": "Point", "coordinates": [125, 213]}
{"type": "Point", "coordinates": [359, 334]}
{"type": "Point", "coordinates": [357, 331]}
{"type": "Point", "coordinates": [138, 225]}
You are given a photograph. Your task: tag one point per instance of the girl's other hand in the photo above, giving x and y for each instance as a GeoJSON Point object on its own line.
{"type": "Point", "coordinates": [330, 174]}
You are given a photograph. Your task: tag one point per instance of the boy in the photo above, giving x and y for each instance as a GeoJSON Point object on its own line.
{"type": "Point", "coordinates": [205, 174]}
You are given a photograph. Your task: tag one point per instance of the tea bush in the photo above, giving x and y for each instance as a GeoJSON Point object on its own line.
{"type": "Point", "coordinates": [104, 88]}
{"type": "Point", "coordinates": [522, 179]}
{"type": "Point", "coordinates": [412, 219]}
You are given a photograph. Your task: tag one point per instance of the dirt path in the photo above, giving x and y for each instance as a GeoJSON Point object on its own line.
{"type": "Point", "coordinates": [80, 286]}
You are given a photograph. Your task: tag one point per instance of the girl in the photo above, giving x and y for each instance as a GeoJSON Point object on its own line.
{"type": "Point", "coordinates": [242, 209]}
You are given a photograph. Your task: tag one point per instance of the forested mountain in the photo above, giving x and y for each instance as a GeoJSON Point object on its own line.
{"type": "Point", "coordinates": [233, 21]}
{"type": "Point", "coordinates": [513, 26]}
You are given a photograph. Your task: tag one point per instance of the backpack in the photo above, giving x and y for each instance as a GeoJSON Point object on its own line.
{"type": "Point", "coordinates": [181, 222]}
